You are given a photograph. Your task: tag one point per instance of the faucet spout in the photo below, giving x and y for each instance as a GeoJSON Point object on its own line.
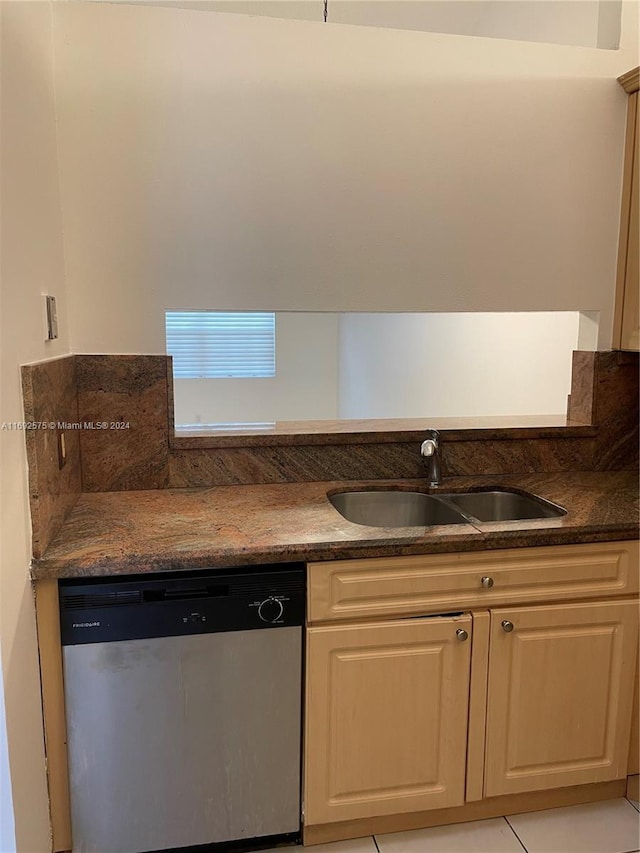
{"type": "Point", "coordinates": [430, 451]}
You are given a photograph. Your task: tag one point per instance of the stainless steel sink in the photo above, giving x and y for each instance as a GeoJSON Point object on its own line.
{"type": "Point", "coordinates": [503, 506]}
{"type": "Point", "coordinates": [394, 509]}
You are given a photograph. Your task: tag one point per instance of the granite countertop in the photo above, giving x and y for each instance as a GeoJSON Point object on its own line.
{"type": "Point", "coordinates": [114, 533]}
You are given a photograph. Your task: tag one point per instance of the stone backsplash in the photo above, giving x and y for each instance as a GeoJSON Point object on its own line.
{"type": "Point", "coordinates": [132, 395]}
{"type": "Point", "coordinates": [129, 394]}
{"type": "Point", "coordinates": [50, 397]}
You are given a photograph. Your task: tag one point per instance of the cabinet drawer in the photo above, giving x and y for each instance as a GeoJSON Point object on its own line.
{"type": "Point", "coordinates": [351, 589]}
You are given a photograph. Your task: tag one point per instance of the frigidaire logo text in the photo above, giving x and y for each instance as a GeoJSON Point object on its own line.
{"type": "Point", "coordinates": [85, 625]}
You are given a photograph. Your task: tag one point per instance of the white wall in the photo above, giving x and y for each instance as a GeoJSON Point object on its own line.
{"type": "Point", "coordinates": [590, 23]}
{"type": "Point", "coordinates": [32, 264]}
{"type": "Point", "coordinates": [305, 386]}
{"type": "Point", "coordinates": [299, 10]}
{"type": "Point", "coordinates": [230, 162]}
{"type": "Point", "coordinates": [455, 365]}
{"type": "Point", "coordinates": [571, 22]}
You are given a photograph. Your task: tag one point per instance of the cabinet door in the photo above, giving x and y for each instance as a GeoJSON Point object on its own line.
{"type": "Point", "coordinates": [386, 717]}
{"type": "Point", "coordinates": [560, 695]}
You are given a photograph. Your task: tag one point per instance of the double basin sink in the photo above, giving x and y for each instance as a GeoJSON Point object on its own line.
{"type": "Point", "coordinates": [394, 508]}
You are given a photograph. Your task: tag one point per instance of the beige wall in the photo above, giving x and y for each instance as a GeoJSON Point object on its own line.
{"type": "Point", "coordinates": [31, 265]}
{"type": "Point", "coordinates": [223, 161]}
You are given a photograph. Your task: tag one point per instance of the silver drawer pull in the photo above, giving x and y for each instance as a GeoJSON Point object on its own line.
{"type": "Point", "coordinates": [486, 582]}
{"type": "Point", "coordinates": [507, 626]}
{"type": "Point", "coordinates": [462, 635]}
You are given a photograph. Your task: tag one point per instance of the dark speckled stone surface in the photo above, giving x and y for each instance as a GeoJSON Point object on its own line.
{"type": "Point", "coordinates": [601, 434]}
{"type": "Point", "coordinates": [464, 455]}
{"type": "Point", "coordinates": [49, 396]}
{"type": "Point", "coordinates": [150, 531]}
{"type": "Point", "coordinates": [583, 387]}
{"type": "Point", "coordinates": [130, 389]}
{"type": "Point", "coordinates": [617, 411]}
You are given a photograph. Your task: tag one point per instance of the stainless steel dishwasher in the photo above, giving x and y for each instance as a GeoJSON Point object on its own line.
{"type": "Point", "coordinates": [183, 701]}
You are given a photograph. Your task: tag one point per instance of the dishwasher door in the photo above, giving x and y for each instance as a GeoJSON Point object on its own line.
{"type": "Point", "coordinates": [184, 740]}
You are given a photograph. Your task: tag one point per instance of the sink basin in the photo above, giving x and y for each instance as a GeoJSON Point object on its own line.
{"type": "Point", "coordinates": [503, 506]}
{"type": "Point", "coordinates": [394, 509]}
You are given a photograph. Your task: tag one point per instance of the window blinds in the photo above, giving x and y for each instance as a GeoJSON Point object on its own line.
{"type": "Point", "coordinates": [216, 344]}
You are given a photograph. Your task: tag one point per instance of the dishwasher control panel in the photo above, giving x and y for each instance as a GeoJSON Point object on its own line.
{"type": "Point", "coordinates": [178, 603]}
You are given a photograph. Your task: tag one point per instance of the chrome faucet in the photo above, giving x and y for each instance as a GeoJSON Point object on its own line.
{"type": "Point", "coordinates": [430, 449]}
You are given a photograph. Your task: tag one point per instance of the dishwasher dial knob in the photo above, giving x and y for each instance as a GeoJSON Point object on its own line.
{"type": "Point", "coordinates": [270, 610]}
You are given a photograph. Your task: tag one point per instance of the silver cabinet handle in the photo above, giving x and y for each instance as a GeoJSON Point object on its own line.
{"type": "Point", "coordinates": [462, 635]}
{"type": "Point", "coordinates": [507, 626]}
{"type": "Point", "coordinates": [486, 582]}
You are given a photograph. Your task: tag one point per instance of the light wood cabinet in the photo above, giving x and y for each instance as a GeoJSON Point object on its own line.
{"type": "Point", "coordinates": [559, 697]}
{"type": "Point", "coordinates": [396, 586]}
{"type": "Point", "coordinates": [386, 717]}
{"type": "Point", "coordinates": [626, 328]}
{"type": "Point", "coordinates": [407, 726]}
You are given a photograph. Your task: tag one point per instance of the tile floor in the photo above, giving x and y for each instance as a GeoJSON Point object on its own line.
{"type": "Point", "coordinates": [612, 826]}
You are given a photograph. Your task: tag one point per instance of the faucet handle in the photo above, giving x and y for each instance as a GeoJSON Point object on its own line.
{"type": "Point", "coordinates": [428, 447]}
